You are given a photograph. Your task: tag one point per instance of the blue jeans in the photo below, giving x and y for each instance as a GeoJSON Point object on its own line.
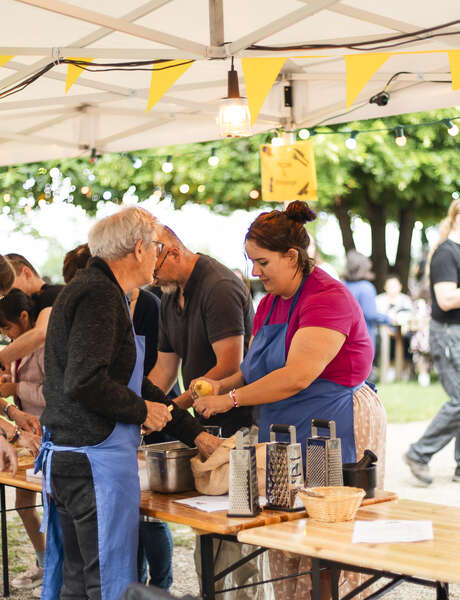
{"type": "Point", "coordinates": [155, 548]}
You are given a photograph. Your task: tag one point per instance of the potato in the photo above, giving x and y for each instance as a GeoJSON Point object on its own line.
{"type": "Point", "coordinates": [203, 388]}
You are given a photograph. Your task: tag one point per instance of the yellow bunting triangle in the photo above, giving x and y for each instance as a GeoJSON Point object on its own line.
{"type": "Point", "coordinates": [259, 76]}
{"type": "Point", "coordinates": [163, 78]}
{"type": "Point", "coordinates": [73, 72]}
{"type": "Point", "coordinates": [360, 68]}
{"type": "Point", "coordinates": [454, 59]}
{"type": "Point", "coordinates": [4, 59]}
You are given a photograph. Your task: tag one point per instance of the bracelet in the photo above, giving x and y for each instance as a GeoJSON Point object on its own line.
{"type": "Point", "coordinates": [5, 410]}
{"type": "Point", "coordinates": [15, 437]}
{"type": "Point", "coordinates": [3, 433]}
{"type": "Point", "coordinates": [232, 395]}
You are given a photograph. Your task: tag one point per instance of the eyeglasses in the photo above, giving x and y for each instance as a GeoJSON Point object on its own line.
{"type": "Point", "coordinates": [159, 246]}
{"type": "Point", "coordinates": [158, 267]}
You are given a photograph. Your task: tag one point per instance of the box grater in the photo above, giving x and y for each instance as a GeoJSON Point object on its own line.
{"type": "Point", "coordinates": [284, 470]}
{"type": "Point", "coordinates": [243, 489]}
{"type": "Point", "coordinates": [323, 456]}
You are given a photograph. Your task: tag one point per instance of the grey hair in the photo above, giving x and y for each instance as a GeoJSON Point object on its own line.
{"type": "Point", "coordinates": [115, 236]}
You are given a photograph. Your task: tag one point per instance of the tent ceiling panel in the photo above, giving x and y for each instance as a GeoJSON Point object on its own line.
{"type": "Point", "coordinates": [107, 110]}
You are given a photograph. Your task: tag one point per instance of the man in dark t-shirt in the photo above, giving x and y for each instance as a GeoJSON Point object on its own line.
{"type": "Point", "coordinates": [205, 324]}
{"type": "Point", "coordinates": [29, 281]}
{"type": "Point", "coordinates": [445, 351]}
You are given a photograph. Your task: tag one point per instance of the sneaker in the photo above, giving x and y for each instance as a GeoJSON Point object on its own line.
{"type": "Point", "coordinates": [30, 579]}
{"type": "Point", "coordinates": [37, 592]}
{"type": "Point", "coordinates": [424, 379]}
{"type": "Point", "coordinates": [419, 470]}
{"type": "Point", "coordinates": [456, 476]}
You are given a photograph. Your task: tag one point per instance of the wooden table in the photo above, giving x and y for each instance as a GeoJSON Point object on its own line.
{"type": "Point", "coordinates": [434, 563]}
{"type": "Point", "coordinates": [211, 526]}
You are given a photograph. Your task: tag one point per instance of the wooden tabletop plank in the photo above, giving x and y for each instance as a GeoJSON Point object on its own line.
{"type": "Point", "coordinates": [163, 506]}
{"type": "Point", "coordinates": [436, 559]}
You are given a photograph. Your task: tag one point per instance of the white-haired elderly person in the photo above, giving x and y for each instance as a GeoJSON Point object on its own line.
{"type": "Point", "coordinates": [97, 399]}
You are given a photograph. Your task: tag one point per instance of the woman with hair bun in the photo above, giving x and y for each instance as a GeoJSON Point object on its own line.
{"type": "Point", "coordinates": [310, 349]}
{"type": "Point", "coordinates": [309, 356]}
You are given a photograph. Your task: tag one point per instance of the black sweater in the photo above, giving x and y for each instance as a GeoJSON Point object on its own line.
{"type": "Point", "coordinates": [89, 357]}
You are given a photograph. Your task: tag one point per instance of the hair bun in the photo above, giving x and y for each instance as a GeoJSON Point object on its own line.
{"type": "Point", "coordinates": [300, 212]}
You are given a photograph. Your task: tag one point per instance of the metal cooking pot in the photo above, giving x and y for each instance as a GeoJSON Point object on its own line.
{"type": "Point", "coordinates": [168, 466]}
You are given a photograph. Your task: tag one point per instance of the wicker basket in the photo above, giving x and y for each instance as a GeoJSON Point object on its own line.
{"type": "Point", "coordinates": [333, 504]}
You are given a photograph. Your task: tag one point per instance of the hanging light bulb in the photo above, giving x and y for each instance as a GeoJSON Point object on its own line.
{"type": "Point", "coordinates": [304, 134]}
{"type": "Point", "coordinates": [234, 119]}
{"type": "Point", "coordinates": [277, 140]}
{"type": "Point", "coordinates": [400, 138]}
{"type": "Point", "coordinates": [167, 166]}
{"type": "Point", "coordinates": [350, 142]}
{"type": "Point", "coordinates": [213, 160]}
{"type": "Point", "coordinates": [452, 128]}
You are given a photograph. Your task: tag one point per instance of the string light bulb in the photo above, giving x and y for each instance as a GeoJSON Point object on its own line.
{"type": "Point", "coordinates": [400, 138]}
{"type": "Point", "coordinates": [213, 160]}
{"type": "Point", "coordinates": [277, 140]}
{"type": "Point", "coordinates": [304, 134]}
{"type": "Point", "coordinates": [350, 142]}
{"type": "Point", "coordinates": [234, 119]}
{"type": "Point", "coordinates": [167, 166]}
{"type": "Point", "coordinates": [452, 128]}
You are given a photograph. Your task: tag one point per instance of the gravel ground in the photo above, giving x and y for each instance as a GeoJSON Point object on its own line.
{"type": "Point", "coordinates": [398, 479]}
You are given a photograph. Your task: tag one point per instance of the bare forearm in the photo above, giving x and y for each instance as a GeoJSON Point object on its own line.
{"type": "Point", "coordinates": [274, 386]}
{"type": "Point", "coordinates": [450, 301]}
{"type": "Point", "coordinates": [233, 382]}
{"type": "Point", "coordinates": [162, 378]}
{"type": "Point", "coordinates": [27, 343]}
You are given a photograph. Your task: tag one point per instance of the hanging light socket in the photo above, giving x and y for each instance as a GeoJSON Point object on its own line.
{"type": "Point", "coordinates": [234, 119]}
{"type": "Point", "coordinates": [452, 128]}
{"type": "Point", "coordinates": [400, 138]}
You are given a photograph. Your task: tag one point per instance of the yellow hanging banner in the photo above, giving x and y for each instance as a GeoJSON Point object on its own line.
{"type": "Point", "coordinates": [4, 59]}
{"type": "Point", "coordinates": [288, 172]}
{"type": "Point", "coordinates": [360, 69]}
{"type": "Point", "coordinates": [73, 72]}
{"type": "Point", "coordinates": [259, 76]}
{"type": "Point", "coordinates": [164, 75]}
{"type": "Point", "coordinates": [454, 59]}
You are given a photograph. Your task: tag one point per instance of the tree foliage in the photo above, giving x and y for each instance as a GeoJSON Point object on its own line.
{"type": "Point", "coordinates": [378, 181]}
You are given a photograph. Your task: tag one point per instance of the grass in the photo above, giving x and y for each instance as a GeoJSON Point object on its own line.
{"type": "Point", "coordinates": [407, 401]}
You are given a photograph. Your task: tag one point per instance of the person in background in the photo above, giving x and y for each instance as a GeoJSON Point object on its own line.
{"type": "Point", "coordinates": [444, 275]}
{"type": "Point", "coordinates": [356, 277]}
{"type": "Point", "coordinates": [96, 400]}
{"type": "Point", "coordinates": [205, 324]}
{"type": "Point", "coordinates": [17, 316]}
{"type": "Point", "coordinates": [398, 307]}
{"type": "Point", "coordinates": [156, 543]}
{"type": "Point", "coordinates": [12, 437]}
{"type": "Point", "coordinates": [29, 281]}
{"type": "Point", "coordinates": [309, 356]}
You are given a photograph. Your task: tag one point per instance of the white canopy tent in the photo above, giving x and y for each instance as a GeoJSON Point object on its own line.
{"type": "Point", "coordinates": [107, 110]}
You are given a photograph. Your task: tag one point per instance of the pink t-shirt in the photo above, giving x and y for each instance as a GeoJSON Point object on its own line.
{"type": "Point", "coordinates": [326, 302]}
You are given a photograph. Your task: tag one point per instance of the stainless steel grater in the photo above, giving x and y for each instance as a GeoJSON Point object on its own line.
{"type": "Point", "coordinates": [284, 470]}
{"type": "Point", "coordinates": [324, 456]}
{"type": "Point", "coordinates": [243, 489]}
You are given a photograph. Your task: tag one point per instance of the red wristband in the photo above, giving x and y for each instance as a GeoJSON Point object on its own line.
{"type": "Point", "coordinates": [232, 395]}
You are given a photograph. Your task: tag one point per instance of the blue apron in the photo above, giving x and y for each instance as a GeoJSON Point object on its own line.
{"type": "Point", "coordinates": [117, 490]}
{"type": "Point", "coordinates": [322, 399]}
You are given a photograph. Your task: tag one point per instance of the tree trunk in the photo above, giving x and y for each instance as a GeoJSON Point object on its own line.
{"type": "Point", "coordinates": [403, 254]}
{"type": "Point", "coordinates": [376, 215]}
{"type": "Point", "coordinates": [342, 214]}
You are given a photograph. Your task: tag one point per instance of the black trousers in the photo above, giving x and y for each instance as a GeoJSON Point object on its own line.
{"type": "Point", "coordinates": [75, 501]}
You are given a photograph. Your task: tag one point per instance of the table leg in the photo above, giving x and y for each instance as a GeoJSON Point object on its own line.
{"type": "Point", "coordinates": [335, 573]}
{"type": "Point", "coordinates": [399, 354]}
{"type": "Point", "coordinates": [442, 591]}
{"type": "Point", "coordinates": [207, 567]}
{"type": "Point", "coordinates": [315, 579]}
{"type": "Point", "coordinates": [6, 583]}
